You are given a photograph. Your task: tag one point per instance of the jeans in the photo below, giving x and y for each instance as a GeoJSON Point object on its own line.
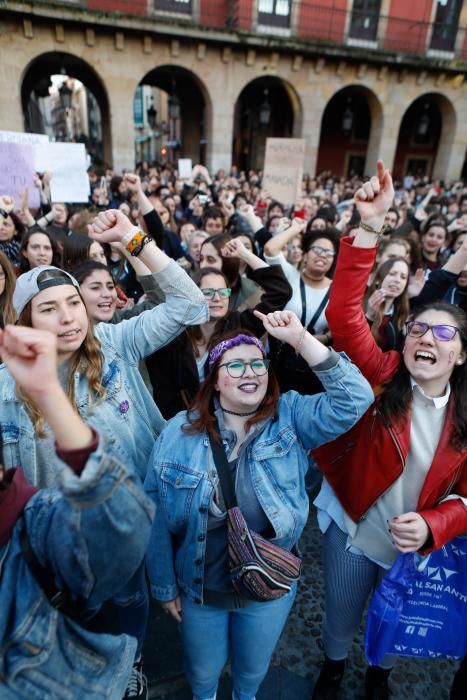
{"type": "Point", "coordinates": [248, 635]}
{"type": "Point", "coordinates": [133, 608]}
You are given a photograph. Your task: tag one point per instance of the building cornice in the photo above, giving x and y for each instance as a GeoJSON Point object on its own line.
{"type": "Point", "coordinates": [173, 28]}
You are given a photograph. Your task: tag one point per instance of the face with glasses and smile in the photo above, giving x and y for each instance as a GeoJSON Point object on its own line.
{"type": "Point", "coordinates": [217, 295]}
{"type": "Point", "coordinates": [319, 258]}
{"type": "Point", "coordinates": [433, 348]}
{"type": "Point", "coordinates": [242, 378]}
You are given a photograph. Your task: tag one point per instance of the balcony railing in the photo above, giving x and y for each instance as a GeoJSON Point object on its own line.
{"type": "Point", "coordinates": [313, 21]}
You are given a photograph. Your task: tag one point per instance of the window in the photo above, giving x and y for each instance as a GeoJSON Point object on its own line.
{"type": "Point", "coordinates": [364, 21]}
{"type": "Point", "coordinates": [274, 13]}
{"type": "Point", "coordinates": [181, 6]}
{"type": "Point", "coordinates": [445, 25]}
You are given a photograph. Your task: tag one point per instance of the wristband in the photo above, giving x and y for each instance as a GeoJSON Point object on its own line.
{"type": "Point", "coordinates": [129, 235]}
{"type": "Point", "coordinates": [133, 240]}
{"type": "Point", "coordinates": [136, 251]}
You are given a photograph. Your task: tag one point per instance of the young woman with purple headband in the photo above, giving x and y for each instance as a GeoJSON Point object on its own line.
{"type": "Point", "coordinates": [266, 438]}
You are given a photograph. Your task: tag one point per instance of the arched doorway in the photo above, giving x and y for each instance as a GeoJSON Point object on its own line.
{"type": "Point", "coordinates": [346, 128]}
{"type": "Point", "coordinates": [170, 115]}
{"type": "Point", "coordinates": [266, 107]}
{"type": "Point", "coordinates": [419, 137]}
{"type": "Point", "coordinates": [63, 96]}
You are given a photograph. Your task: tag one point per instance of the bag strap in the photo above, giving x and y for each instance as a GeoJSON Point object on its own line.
{"type": "Point", "coordinates": [223, 470]}
{"type": "Point", "coordinates": [318, 312]}
{"type": "Point", "coordinates": [303, 297]}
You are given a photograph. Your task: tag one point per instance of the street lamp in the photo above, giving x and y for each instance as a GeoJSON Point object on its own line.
{"type": "Point", "coordinates": [174, 107]}
{"type": "Point", "coordinates": [151, 114]}
{"type": "Point", "coordinates": [265, 110]}
{"type": "Point", "coordinates": [347, 117]}
{"type": "Point", "coordinates": [65, 96]}
{"type": "Point", "coordinates": [424, 123]}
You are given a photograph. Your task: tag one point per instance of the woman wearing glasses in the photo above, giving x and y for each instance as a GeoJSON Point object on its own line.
{"type": "Point", "coordinates": [398, 481]}
{"type": "Point", "coordinates": [310, 295]}
{"type": "Point", "coordinates": [266, 437]}
{"type": "Point", "coordinates": [177, 370]}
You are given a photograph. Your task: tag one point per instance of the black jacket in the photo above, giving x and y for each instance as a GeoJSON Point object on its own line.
{"type": "Point", "coordinates": [173, 370]}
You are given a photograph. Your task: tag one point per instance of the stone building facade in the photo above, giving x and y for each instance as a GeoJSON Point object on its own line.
{"type": "Point", "coordinates": [356, 82]}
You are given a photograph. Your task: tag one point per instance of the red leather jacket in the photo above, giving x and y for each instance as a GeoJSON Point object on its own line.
{"type": "Point", "coordinates": [362, 464]}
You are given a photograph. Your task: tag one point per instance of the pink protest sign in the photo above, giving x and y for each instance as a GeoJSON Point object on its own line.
{"type": "Point", "coordinates": [17, 172]}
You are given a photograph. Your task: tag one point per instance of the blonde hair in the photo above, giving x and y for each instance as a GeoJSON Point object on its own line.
{"type": "Point", "coordinates": [7, 310]}
{"type": "Point", "coordinates": [86, 360]}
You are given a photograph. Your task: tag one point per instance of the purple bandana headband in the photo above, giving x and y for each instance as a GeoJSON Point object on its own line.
{"type": "Point", "coordinates": [225, 345]}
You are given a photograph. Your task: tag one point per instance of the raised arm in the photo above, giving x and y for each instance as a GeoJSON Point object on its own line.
{"type": "Point", "coordinates": [95, 536]}
{"type": "Point", "coordinates": [184, 303]}
{"type": "Point", "coordinates": [276, 243]}
{"type": "Point", "coordinates": [320, 418]}
{"type": "Point", "coordinates": [347, 322]}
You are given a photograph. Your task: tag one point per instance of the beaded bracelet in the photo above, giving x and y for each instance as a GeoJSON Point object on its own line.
{"type": "Point", "coordinates": [135, 241]}
{"type": "Point", "coordinates": [300, 342]}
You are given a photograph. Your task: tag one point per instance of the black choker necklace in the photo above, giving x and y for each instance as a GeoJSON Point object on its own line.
{"type": "Point", "coordinates": [232, 413]}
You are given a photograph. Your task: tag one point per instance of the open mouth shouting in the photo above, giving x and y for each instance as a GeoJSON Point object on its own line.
{"type": "Point", "coordinates": [425, 356]}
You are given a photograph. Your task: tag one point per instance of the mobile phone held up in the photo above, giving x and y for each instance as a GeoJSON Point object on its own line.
{"type": "Point", "coordinates": [204, 199]}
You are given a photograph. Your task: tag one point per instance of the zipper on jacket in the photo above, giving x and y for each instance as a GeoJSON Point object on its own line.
{"type": "Point", "coordinates": [394, 439]}
{"type": "Point", "coordinates": [453, 480]}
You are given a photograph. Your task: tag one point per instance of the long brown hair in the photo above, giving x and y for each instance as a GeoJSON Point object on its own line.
{"type": "Point", "coordinates": [397, 395]}
{"type": "Point", "coordinates": [201, 416]}
{"type": "Point", "coordinates": [401, 303]}
{"type": "Point", "coordinates": [87, 360]}
{"type": "Point", "coordinates": [194, 332]}
{"type": "Point", "coordinates": [230, 266]}
{"type": "Point", "coordinates": [7, 311]}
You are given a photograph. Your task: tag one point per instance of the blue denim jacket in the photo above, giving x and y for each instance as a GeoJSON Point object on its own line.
{"type": "Point", "coordinates": [182, 476]}
{"type": "Point", "coordinates": [92, 536]}
{"type": "Point", "coordinates": [127, 416]}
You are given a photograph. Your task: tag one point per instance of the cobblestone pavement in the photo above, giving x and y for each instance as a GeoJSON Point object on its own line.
{"type": "Point", "coordinates": [297, 659]}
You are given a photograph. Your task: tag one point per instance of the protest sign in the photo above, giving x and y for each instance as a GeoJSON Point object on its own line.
{"type": "Point", "coordinates": [184, 168]}
{"type": "Point", "coordinates": [17, 172]}
{"type": "Point", "coordinates": [67, 164]}
{"type": "Point", "coordinates": [283, 169]}
{"type": "Point", "coordinates": [22, 137]}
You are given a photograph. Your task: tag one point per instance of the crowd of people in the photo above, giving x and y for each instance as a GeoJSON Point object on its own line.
{"type": "Point", "coordinates": [179, 356]}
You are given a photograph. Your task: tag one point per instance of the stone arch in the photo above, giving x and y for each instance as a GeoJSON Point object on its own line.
{"type": "Point", "coordinates": [193, 131]}
{"type": "Point", "coordinates": [251, 130]}
{"type": "Point", "coordinates": [351, 131]}
{"type": "Point", "coordinates": [426, 136]}
{"type": "Point", "coordinates": [35, 80]}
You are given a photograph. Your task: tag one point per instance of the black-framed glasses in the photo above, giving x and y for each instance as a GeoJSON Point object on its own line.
{"type": "Point", "coordinates": [322, 252]}
{"type": "Point", "coordinates": [237, 368]}
{"type": "Point", "coordinates": [210, 292]}
{"type": "Point", "coordinates": [443, 332]}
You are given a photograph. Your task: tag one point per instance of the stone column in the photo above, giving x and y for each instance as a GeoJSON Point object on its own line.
{"type": "Point", "coordinates": [451, 148]}
{"type": "Point", "coordinates": [220, 117]}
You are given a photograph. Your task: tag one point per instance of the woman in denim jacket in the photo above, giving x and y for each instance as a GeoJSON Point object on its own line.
{"type": "Point", "coordinates": [98, 368]}
{"type": "Point", "coordinates": [89, 537]}
{"type": "Point", "coordinates": [267, 439]}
